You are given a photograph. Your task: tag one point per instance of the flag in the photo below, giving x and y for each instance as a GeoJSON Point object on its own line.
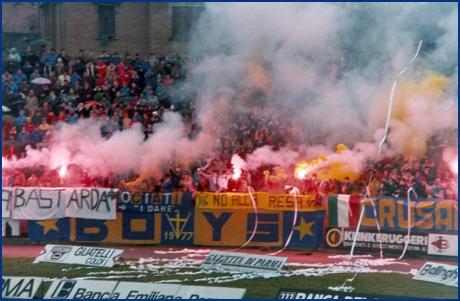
{"type": "Point", "coordinates": [343, 210]}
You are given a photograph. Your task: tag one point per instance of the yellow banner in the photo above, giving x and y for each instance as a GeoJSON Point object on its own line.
{"type": "Point", "coordinates": [262, 200]}
{"type": "Point", "coordinates": [128, 228]}
{"type": "Point", "coordinates": [233, 227]}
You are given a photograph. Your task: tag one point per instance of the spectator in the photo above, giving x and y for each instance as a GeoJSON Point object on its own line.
{"type": "Point", "coordinates": [51, 57]}
{"type": "Point", "coordinates": [166, 183]}
{"type": "Point", "coordinates": [35, 74]}
{"type": "Point", "coordinates": [32, 58]}
{"type": "Point", "coordinates": [116, 59]}
{"type": "Point", "coordinates": [60, 68]}
{"type": "Point", "coordinates": [437, 190]}
{"type": "Point", "coordinates": [64, 57]}
{"type": "Point", "coordinates": [7, 180]}
{"type": "Point", "coordinates": [105, 58]}
{"type": "Point", "coordinates": [109, 181]}
{"type": "Point", "coordinates": [33, 180]}
{"type": "Point", "coordinates": [20, 179]}
{"type": "Point", "coordinates": [47, 70]}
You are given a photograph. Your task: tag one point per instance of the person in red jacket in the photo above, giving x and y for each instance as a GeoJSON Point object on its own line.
{"type": "Point", "coordinates": [101, 68]}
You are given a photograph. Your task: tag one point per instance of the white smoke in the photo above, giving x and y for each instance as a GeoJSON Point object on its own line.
{"type": "Point", "coordinates": [286, 56]}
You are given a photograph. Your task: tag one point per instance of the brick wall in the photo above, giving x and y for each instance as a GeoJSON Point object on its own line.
{"type": "Point", "coordinates": [142, 27]}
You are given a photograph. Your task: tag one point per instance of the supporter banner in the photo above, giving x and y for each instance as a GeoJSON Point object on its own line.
{"type": "Point", "coordinates": [91, 203]}
{"type": "Point", "coordinates": [279, 202]}
{"type": "Point", "coordinates": [372, 240]}
{"type": "Point", "coordinates": [37, 203]}
{"type": "Point", "coordinates": [6, 196]}
{"type": "Point", "coordinates": [91, 256]}
{"type": "Point", "coordinates": [49, 229]}
{"type": "Point", "coordinates": [50, 203]}
{"type": "Point", "coordinates": [425, 216]}
{"type": "Point", "coordinates": [127, 228]}
{"type": "Point", "coordinates": [343, 210]}
{"type": "Point", "coordinates": [80, 289]}
{"type": "Point", "coordinates": [177, 228]}
{"type": "Point", "coordinates": [290, 293]}
{"type": "Point", "coordinates": [14, 225]}
{"type": "Point", "coordinates": [307, 231]}
{"type": "Point", "coordinates": [244, 262]}
{"type": "Point", "coordinates": [153, 202]}
{"type": "Point", "coordinates": [234, 227]}
{"type": "Point", "coordinates": [438, 273]}
{"type": "Point", "coordinates": [20, 287]}
{"type": "Point", "coordinates": [443, 244]}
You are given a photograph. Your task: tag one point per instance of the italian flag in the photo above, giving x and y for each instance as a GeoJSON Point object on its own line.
{"type": "Point", "coordinates": [343, 210]}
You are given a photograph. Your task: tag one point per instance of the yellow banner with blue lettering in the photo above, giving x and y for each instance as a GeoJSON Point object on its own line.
{"type": "Point", "coordinates": [426, 215]}
{"type": "Point", "coordinates": [261, 200]}
{"type": "Point", "coordinates": [235, 227]}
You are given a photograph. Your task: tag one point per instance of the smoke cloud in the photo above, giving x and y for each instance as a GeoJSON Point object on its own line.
{"type": "Point", "coordinates": [326, 69]}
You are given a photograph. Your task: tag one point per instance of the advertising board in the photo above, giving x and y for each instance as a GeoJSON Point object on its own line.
{"type": "Point", "coordinates": [92, 256]}
{"type": "Point", "coordinates": [80, 289]}
{"type": "Point", "coordinates": [438, 273]}
{"type": "Point", "coordinates": [244, 262]}
{"type": "Point", "coordinates": [443, 244]}
{"type": "Point", "coordinates": [140, 290]}
{"type": "Point", "coordinates": [20, 287]}
{"type": "Point", "coordinates": [209, 292]}
{"type": "Point", "coordinates": [289, 293]}
{"type": "Point", "coordinates": [372, 240]}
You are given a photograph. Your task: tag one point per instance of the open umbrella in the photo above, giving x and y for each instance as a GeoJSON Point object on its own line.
{"type": "Point", "coordinates": [8, 118]}
{"type": "Point", "coordinates": [99, 96]}
{"type": "Point", "coordinates": [19, 101]}
{"type": "Point", "coordinates": [10, 60]}
{"type": "Point", "coordinates": [41, 81]}
{"type": "Point", "coordinates": [174, 61]}
{"type": "Point", "coordinates": [5, 109]}
{"type": "Point", "coordinates": [127, 99]}
{"type": "Point", "coordinates": [90, 103]}
{"type": "Point", "coordinates": [150, 103]}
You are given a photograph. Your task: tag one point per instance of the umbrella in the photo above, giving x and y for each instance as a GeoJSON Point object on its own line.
{"type": "Point", "coordinates": [174, 61]}
{"type": "Point", "coordinates": [99, 96]}
{"type": "Point", "coordinates": [127, 99]}
{"type": "Point", "coordinates": [150, 103]}
{"type": "Point", "coordinates": [5, 109]}
{"type": "Point", "coordinates": [11, 60]}
{"type": "Point", "coordinates": [41, 81]}
{"type": "Point", "coordinates": [8, 118]}
{"type": "Point", "coordinates": [90, 103]}
{"type": "Point", "coordinates": [19, 101]}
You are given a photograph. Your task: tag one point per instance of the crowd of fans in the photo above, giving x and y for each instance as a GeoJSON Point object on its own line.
{"type": "Point", "coordinates": [121, 91]}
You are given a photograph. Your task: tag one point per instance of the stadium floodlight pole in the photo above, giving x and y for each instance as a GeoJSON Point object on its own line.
{"type": "Point", "coordinates": [391, 96]}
